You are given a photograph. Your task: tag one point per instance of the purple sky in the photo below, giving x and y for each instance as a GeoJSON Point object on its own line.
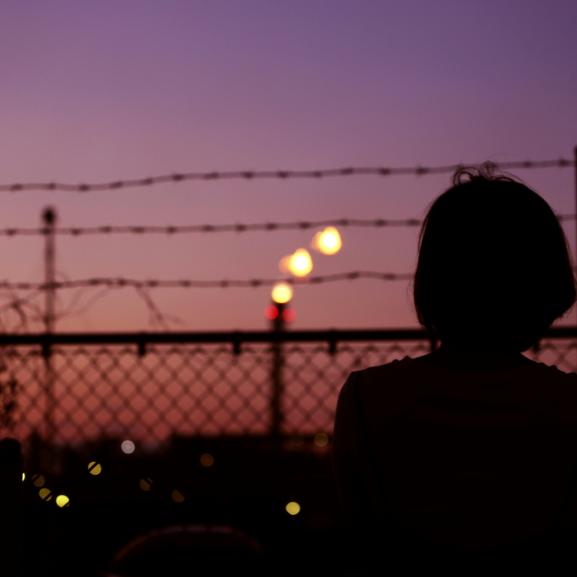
{"type": "Point", "coordinates": [108, 89]}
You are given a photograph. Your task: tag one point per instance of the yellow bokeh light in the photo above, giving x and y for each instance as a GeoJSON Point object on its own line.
{"type": "Point", "coordinates": [145, 484]}
{"type": "Point", "coordinates": [62, 501]}
{"type": "Point", "coordinates": [300, 262]}
{"type": "Point", "coordinates": [283, 264]}
{"type": "Point", "coordinates": [94, 468]}
{"type": "Point", "coordinates": [38, 480]}
{"type": "Point", "coordinates": [206, 460]}
{"type": "Point", "coordinates": [177, 496]}
{"type": "Point", "coordinates": [293, 508]}
{"type": "Point", "coordinates": [328, 241]}
{"type": "Point", "coordinates": [45, 494]}
{"type": "Point", "coordinates": [23, 476]}
{"type": "Point", "coordinates": [281, 293]}
{"type": "Point", "coordinates": [321, 440]}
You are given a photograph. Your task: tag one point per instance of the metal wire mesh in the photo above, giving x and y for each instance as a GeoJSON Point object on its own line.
{"type": "Point", "coordinates": [112, 391]}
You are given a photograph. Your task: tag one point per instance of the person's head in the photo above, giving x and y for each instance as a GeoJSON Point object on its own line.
{"type": "Point", "coordinates": [493, 270]}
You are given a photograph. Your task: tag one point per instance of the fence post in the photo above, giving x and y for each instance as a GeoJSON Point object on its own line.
{"type": "Point", "coordinates": [49, 222]}
{"type": "Point", "coordinates": [575, 168]}
{"type": "Point", "coordinates": [278, 325]}
{"type": "Point", "coordinates": [575, 221]}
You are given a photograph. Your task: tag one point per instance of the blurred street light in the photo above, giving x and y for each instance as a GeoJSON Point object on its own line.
{"type": "Point", "coordinates": [328, 241]}
{"type": "Point", "coordinates": [281, 293]}
{"type": "Point", "coordinates": [299, 263]}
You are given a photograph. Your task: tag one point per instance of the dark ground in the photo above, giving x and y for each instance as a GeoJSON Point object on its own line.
{"type": "Point", "coordinates": [233, 507]}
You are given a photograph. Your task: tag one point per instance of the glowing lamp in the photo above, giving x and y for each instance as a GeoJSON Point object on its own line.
{"type": "Point", "coordinates": [288, 315]}
{"type": "Point", "coordinates": [38, 480]}
{"type": "Point", "coordinates": [63, 501]}
{"type": "Point", "coordinates": [282, 293]}
{"type": "Point", "coordinates": [177, 496]}
{"type": "Point", "coordinates": [145, 484]}
{"type": "Point", "coordinates": [127, 447]}
{"type": "Point", "coordinates": [328, 241]}
{"type": "Point", "coordinates": [293, 508]}
{"type": "Point", "coordinates": [321, 440]}
{"type": "Point", "coordinates": [206, 460]}
{"type": "Point", "coordinates": [283, 263]}
{"type": "Point", "coordinates": [94, 468]}
{"type": "Point", "coordinates": [271, 312]}
{"type": "Point", "coordinates": [300, 263]}
{"type": "Point", "coordinates": [45, 494]}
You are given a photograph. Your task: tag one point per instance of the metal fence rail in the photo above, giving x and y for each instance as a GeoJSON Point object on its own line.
{"type": "Point", "coordinates": [76, 388]}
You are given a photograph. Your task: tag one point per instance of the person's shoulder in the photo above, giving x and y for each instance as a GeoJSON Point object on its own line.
{"type": "Point", "coordinates": [385, 385]}
{"type": "Point", "coordinates": [403, 365]}
{"type": "Point", "coordinates": [377, 374]}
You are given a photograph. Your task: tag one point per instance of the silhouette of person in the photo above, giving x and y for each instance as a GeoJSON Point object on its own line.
{"type": "Point", "coordinates": [464, 459]}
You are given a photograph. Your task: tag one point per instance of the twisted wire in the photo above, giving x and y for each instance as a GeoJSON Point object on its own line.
{"type": "Point", "coordinates": [179, 177]}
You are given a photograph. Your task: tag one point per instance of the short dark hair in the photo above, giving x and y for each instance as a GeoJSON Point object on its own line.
{"type": "Point", "coordinates": [493, 269]}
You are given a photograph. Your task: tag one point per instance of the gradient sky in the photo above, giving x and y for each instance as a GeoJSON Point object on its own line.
{"type": "Point", "coordinates": [111, 89]}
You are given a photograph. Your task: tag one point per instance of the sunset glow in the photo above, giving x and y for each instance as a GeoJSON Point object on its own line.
{"type": "Point", "coordinates": [284, 92]}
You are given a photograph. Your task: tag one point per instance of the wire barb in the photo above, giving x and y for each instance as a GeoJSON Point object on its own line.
{"type": "Point", "coordinates": [121, 282]}
{"type": "Point", "coordinates": [350, 171]}
{"type": "Point", "coordinates": [170, 230]}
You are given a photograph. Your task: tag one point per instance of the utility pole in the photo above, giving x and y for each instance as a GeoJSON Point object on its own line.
{"type": "Point", "coordinates": [575, 170]}
{"type": "Point", "coordinates": [278, 325]}
{"type": "Point", "coordinates": [49, 224]}
{"type": "Point", "coordinates": [278, 313]}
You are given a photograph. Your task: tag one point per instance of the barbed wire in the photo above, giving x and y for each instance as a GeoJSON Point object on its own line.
{"type": "Point", "coordinates": [26, 312]}
{"type": "Point", "coordinates": [83, 299]}
{"type": "Point", "coordinates": [157, 318]}
{"type": "Point", "coordinates": [121, 282]}
{"type": "Point", "coordinates": [180, 177]}
{"type": "Point", "coordinates": [212, 228]}
{"type": "Point", "coordinates": [223, 228]}
{"type": "Point", "coordinates": [22, 308]}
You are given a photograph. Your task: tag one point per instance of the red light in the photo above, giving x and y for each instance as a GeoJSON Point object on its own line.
{"type": "Point", "coordinates": [271, 312]}
{"type": "Point", "coordinates": [288, 315]}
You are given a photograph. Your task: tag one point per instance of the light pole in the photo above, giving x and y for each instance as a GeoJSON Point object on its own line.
{"type": "Point", "coordinates": [278, 314]}
{"type": "Point", "coordinates": [49, 219]}
{"type": "Point", "coordinates": [299, 264]}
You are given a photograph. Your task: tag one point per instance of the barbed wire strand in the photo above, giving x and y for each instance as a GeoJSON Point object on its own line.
{"type": "Point", "coordinates": [77, 307]}
{"type": "Point", "coordinates": [23, 308]}
{"type": "Point", "coordinates": [220, 228]}
{"type": "Point", "coordinates": [29, 312]}
{"type": "Point", "coordinates": [156, 318]}
{"type": "Point", "coordinates": [121, 282]}
{"type": "Point", "coordinates": [213, 228]}
{"type": "Point", "coordinates": [180, 177]}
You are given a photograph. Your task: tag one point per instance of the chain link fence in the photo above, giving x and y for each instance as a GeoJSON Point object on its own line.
{"type": "Point", "coordinates": [80, 393]}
